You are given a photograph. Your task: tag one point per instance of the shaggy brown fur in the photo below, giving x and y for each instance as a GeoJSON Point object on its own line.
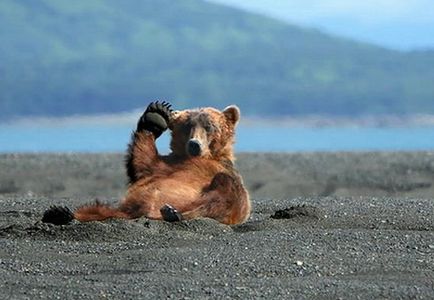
{"type": "Point", "coordinates": [196, 180]}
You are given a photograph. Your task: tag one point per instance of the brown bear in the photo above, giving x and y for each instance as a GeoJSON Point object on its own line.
{"type": "Point", "coordinates": [197, 179]}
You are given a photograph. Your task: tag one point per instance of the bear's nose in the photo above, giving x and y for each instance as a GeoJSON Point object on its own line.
{"type": "Point", "coordinates": [194, 147]}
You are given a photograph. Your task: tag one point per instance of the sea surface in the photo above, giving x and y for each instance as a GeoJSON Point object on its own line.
{"type": "Point", "coordinates": [250, 138]}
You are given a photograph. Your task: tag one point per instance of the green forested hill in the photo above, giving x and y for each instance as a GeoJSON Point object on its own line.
{"type": "Point", "coordinates": [60, 57]}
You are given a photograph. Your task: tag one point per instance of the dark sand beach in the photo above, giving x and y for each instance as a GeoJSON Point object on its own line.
{"type": "Point", "coordinates": [324, 226]}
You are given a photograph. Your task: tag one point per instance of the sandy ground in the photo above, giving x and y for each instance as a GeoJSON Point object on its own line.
{"type": "Point", "coordinates": [324, 225]}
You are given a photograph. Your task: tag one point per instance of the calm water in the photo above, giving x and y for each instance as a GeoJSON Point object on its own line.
{"type": "Point", "coordinates": [113, 138]}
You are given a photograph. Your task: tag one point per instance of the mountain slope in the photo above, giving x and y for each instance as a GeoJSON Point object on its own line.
{"type": "Point", "coordinates": [396, 24]}
{"type": "Point", "coordinates": [63, 57]}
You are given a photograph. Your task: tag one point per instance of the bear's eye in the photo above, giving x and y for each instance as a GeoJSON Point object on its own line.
{"type": "Point", "coordinates": [186, 127]}
{"type": "Point", "coordinates": [208, 128]}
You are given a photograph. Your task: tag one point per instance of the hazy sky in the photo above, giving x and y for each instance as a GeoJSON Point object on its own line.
{"type": "Point", "coordinates": [400, 24]}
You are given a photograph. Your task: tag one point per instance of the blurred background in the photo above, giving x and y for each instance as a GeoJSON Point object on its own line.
{"type": "Point", "coordinates": [311, 75]}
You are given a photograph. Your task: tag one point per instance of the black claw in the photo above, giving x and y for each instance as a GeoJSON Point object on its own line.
{"type": "Point", "coordinates": [167, 105]}
{"type": "Point", "coordinates": [58, 215]}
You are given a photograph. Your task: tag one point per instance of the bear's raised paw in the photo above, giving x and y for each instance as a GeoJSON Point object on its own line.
{"type": "Point", "coordinates": [156, 118]}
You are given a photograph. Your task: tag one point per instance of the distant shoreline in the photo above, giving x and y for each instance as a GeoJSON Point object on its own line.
{"type": "Point", "coordinates": [311, 121]}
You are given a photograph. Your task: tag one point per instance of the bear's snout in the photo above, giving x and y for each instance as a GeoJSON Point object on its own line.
{"type": "Point", "coordinates": [194, 147]}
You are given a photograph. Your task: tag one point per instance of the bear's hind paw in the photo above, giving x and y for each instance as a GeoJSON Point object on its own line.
{"type": "Point", "coordinates": [170, 214]}
{"type": "Point", "coordinates": [58, 215]}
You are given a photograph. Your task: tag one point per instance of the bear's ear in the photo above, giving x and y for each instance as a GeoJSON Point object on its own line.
{"type": "Point", "coordinates": [232, 114]}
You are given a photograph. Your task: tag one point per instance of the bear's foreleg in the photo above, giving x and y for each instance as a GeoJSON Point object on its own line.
{"type": "Point", "coordinates": [141, 156]}
{"type": "Point", "coordinates": [142, 152]}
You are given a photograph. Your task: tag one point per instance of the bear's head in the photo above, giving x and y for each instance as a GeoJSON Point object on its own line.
{"type": "Point", "coordinates": [205, 132]}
